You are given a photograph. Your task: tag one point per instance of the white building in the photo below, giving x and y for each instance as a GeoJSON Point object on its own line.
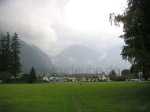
{"type": "Point", "coordinates": [46, 78]}
{"type": "Point", "coordinates": [103, 77]}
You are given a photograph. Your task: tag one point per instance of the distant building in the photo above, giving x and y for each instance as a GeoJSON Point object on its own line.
{"type": "Point", "coordinates": [86, 78]}
{"type": "Point", "coordinates": [46, 78]}
{"type": "Point", "coordinates": [62, 79]}
{"type": "Point", "coordinates": [54, 79]}
{"type": "Point", "coordinates": [103, 77]}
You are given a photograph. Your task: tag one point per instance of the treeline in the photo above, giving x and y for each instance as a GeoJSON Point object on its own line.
{"type": "Point", "coordinates": [126, 74]}
{"type": "Point", "coordinates": [31, 77]}
{"type": "Point", "coordinates": [10, 64]}
{"type": "Point", "coordinates": [136, 27]}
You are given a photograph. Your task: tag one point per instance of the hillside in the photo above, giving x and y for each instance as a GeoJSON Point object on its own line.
{"type": "Point", "coordinates": [33, 56]}
{"type": "Point", "coordinates": [83, 57]}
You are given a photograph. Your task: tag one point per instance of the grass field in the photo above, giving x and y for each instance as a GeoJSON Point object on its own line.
{"type": "Point", "coordinates": [71, 97]}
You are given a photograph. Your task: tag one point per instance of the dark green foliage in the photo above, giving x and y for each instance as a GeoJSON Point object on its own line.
{"type": "Point", "coordinates": [5, 53]}
{"type": "Point", "coordinates": [130, 74]}
{"type": "Point", "coordinates": [2, 54]}
{"type": "Point", "coordinates": [15, 59]}
{"type": "Point", "coordinates": [32, 76]}
{"type": "Point", "coordinates": [39, 77]}
{"type": "Point", "coordinates": [134, 71]}
{"type": "Point", "coordinates": [5, 76]}
{"type": "Point", "coordinates": [112, 75]}
{"type": "Point", "coordinates": [9, 54]}
{"type": "Point", "coordinates": [136, 21]}
{"type": "Point", "coordinates": [25, 77]}
{"type": "Point", "coordinates": [121, 78]}
{"type": "Point", "coordinates": [125, 74]}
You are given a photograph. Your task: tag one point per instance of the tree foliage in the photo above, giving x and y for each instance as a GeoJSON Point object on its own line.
{"type": "Point", "coordinates": [15, 59]}
{"type": "Point", "coordinates": [112, 75]}
{"type": "Point", "coordinates": [9, 55]}
{"type": "Point", "coordinates": [32, 76]}
{"type": "Point", "coordinates": [136, 27]}
{"type": "Point", "coordinates": [5, 76]}
{"type": "Point", "coordinates": [5, 53]}
{"type": "Point", "coordinates": [125, 74]}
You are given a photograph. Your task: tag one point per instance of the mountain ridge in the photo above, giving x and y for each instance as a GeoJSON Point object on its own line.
{"type": "Point", "coordinates": [82, 56]}
{"type": "Point", "coordinates": [31, 55]}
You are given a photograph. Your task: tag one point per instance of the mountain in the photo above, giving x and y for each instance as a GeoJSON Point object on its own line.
{"type": "Point", "coordinates": [114, 59]}
{"type": "Point", "coordinates": [32, 56]}
{"type": "Point", "coordinates": [77, 55]}
{"type": "Point", "coordinates": [82, 57]}
{"type": "Point", "coordinates": [72, 57]}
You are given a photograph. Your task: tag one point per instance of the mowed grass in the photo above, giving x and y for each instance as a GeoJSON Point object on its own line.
{"type": "Point", "coordinates": [71, 97]}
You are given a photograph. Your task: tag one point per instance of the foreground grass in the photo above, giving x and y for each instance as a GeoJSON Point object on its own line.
{"type": "Point", "coordinates": [70, 97]}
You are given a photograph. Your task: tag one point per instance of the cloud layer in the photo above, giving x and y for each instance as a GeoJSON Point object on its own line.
{"type": "Point", "coordinates": [53, 25]}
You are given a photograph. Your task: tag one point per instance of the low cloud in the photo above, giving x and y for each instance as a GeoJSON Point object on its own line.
{"type": "Point", "coordinates": [46, 23]}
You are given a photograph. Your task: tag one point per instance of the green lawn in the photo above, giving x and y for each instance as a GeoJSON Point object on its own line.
{"type": "Point", "coordinates": [71, 97]}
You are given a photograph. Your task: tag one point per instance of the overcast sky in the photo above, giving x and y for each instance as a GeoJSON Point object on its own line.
{"type": "Point", "coordinates": [53, 25]}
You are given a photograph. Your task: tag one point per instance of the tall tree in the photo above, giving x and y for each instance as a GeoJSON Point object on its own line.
{"type": "Point", "coordinates": [136, 26]}
{"type": "Point", "coordinates": [2, 54]}
{"type": "Point", "coordinates": [134, 71]}
{"type": "Point", "coordinates": [5, 53]}
{"type": "Point", "coordinates": [8, 52]}
{"type": "Point", "coordinates": [15, 59]}
{"type": "Point", "coordinates": [32, 76]}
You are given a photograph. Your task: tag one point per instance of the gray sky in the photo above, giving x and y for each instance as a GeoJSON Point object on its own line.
{"type": "Point", "coordinates": [53, 25]}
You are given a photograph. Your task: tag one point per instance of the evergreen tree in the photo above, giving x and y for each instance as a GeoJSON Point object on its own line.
{"type": "Point", "coordinates": [5, 53]}
{"type": "Point", "coordinates": [32, 76]}
{"type": "Point", "coordinates": [15, 64]}
{"type": "Point", "coordinates": [8, 52]}
{"type": "Point", "coordinates": [9, 55]}
{"type": "Point", "coordinates": [136, 25]}
{"type": "Point", "coordinates": [2, 54]}
{"type": "Point", "coordinates": [112, 75]}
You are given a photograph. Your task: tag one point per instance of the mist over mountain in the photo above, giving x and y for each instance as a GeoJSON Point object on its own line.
{"type": "Point", "coordinates": [32, 56]}
{"type": "Point", "coordinates": [76, 55]}
{"type": "Point", "coordinates": [114, 59]}
{"type": "Point", "coordinates": [82, 57]}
